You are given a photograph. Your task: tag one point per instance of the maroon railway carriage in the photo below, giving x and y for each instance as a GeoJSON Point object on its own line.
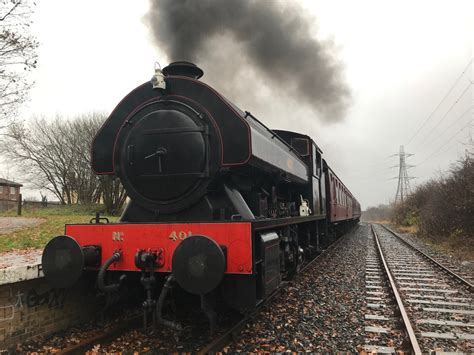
{"type": "Point", "coordinates": [219, 203]}
{"type": "Point", "coordinates": [342, 205]}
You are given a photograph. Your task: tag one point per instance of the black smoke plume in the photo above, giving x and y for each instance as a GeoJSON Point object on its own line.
{"type": "Point", "coordinates": [276, 42]}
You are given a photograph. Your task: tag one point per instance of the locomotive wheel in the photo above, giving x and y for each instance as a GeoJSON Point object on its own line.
{"type": "Point", "coordinates": [198, 264]}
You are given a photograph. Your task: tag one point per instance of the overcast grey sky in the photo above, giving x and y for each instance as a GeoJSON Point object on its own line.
{"type": "Point", "coordinates": [400, 58]}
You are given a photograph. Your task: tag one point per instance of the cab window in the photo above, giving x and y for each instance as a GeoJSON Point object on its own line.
{"type": "Point", "coordinates": [300, 145]}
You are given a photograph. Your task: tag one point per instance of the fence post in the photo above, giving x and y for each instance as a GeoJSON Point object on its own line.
{"type": "Point", "coordinates": [19, 204]}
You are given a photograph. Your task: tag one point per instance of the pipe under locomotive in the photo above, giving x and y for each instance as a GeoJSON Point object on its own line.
{"type": "Point", "coordinates": [221, 204]}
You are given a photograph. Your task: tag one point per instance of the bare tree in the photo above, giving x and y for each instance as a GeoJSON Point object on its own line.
{"type": "Point", "coordinates": [17, 56]}
{"type": "Point", "coordinates": [80, 132]}
{"type": "Point", "coordinates": [113, 194]}
{"type": "Point", "coordinates": [37, 150]}
{"type": "Point", "coordinates": [55, 155]}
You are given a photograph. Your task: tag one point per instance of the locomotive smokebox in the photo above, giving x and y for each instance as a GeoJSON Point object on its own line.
{"type": "Point", "coordinates": [167, 154]}
{"type": "Point", "coordinates": [183, 69]}
{"type": "Point", "coordinates": [198, 264]}
{"type": "Point", "coordinates": [63, 260]}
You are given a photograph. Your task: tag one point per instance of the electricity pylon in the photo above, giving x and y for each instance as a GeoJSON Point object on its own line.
{"type": "Point", "coordinates": [403, 188]}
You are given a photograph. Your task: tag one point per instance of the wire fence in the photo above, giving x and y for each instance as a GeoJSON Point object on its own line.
{"type": "Point", "coordinates": [9, 204]}
{"type": "Point", "coordinates": [18, 205]}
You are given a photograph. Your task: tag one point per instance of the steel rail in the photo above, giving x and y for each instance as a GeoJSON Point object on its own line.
{"type": "Point", "coordinates": [409, 328]}
{"type": "Point", "coordinates": [441, 266]}
{"type": "Point", "coordinates": [227, 337]}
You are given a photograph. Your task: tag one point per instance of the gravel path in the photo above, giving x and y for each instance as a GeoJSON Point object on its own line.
{"type": "Point", "coordinates": [322, 310]}
{"type": "Point", "coordinates": [11, 224]}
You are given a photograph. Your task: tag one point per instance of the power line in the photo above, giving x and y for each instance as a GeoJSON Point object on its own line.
{"type": "Point", "coordinates": [444, 98]}
{"type": "Point", "coordinates": [449, 140]}
{"type": "Point", "coordinates": [446, 114]}
{"type": "Point", "coordinates": [446, 150]}
{"type": "Point", "coordinates": [449, 127]}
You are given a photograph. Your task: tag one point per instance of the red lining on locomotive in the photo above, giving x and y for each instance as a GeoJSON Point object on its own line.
{"type": "Point", "coordinates": [105, 124]}
{"type": "Point", "coordinates": [239, 116]}
{"type": "Point", "coordinates": [159, 99]}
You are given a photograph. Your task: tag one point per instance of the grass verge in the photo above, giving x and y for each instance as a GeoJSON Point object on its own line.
{"type": "Point", "coordinates": [459, 247]}
{"type": "Point", "coordinates": [55, 219]}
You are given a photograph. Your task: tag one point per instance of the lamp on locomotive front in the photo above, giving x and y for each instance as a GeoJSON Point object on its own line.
{"type": "Point", "coordinates": [158, 79]}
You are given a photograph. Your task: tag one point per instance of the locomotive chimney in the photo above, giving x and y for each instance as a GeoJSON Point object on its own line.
{"type": "Point", "coordinates": [183, 69]}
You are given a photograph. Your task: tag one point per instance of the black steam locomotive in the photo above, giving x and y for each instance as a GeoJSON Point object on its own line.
{"type": "Point", "coordinates": [219, 203]}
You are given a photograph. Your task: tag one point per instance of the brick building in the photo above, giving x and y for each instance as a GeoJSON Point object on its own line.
{"type": "Point", "coordinates": [9, 194]}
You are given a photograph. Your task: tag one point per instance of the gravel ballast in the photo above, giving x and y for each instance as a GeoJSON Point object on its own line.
{"type": "Point", "coordinates": [321, 310]}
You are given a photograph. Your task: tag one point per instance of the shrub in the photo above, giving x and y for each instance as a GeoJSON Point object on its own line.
{"type": "Point", "coordinates": [444, 206]}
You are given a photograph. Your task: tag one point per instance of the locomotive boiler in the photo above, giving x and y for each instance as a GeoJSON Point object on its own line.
{"type": "Point", "coordinates": [220, 204]}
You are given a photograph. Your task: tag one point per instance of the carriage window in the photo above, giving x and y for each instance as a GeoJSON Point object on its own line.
{"type": "Point", "coordinates": [300, 145]}
{"type": "Point", "coordinates": [334, 188]}
{"type": "Point", "coordinates": [317, 161]}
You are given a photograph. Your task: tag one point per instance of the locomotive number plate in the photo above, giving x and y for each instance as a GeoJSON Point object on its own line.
{"type": "Point", "coordinates": [181, 235]}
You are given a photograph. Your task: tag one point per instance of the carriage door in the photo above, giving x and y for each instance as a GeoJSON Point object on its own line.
{"type": "Point", "coordinates": [318, 205]}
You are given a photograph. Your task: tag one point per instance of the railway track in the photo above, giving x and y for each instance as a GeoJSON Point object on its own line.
{"type": "Point", "coordinates": [445, 263]}
{"type": "Point", "coordinates": [414, 303]}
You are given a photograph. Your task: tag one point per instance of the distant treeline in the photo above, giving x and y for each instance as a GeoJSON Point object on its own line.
{"type": "Point", "coordinates": [379, 213]}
